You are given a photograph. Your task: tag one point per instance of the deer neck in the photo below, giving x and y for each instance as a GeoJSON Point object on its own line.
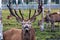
{"type": "Point", "coordinates": [26, 36]}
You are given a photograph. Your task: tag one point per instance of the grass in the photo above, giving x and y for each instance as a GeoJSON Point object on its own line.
{"type": "Point", "coordinates": [12, 23]}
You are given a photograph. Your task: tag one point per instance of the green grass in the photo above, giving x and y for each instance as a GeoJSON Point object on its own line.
{"type": "Point", "coordinates": [12, 23]}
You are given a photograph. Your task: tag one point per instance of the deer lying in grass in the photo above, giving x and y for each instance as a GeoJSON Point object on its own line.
{"type": "Point", "coordinates": [27, 32]}
{"type": "Point", "coordinates": [52, 18]}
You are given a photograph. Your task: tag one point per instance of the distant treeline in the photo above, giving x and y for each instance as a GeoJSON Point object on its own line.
{"type": "Point", "coordinates": [45, 1]}
{"type": "Point", "coordinates": [54, 1]}
{"type": "Point", "coordinates": [27, 1]}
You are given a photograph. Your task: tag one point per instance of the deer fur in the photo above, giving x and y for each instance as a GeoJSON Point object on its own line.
{"type": "Point", "coordinates": [55, 17]}
{"type": "Point", "coordinates": [18, 34]}
{"type": "Point", "coordinates": [52, 18]}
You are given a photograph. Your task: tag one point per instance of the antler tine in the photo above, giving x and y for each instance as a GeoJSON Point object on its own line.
{"type": "Point", "coordinates": [16, 13]}
{"type": "Point", "coordinates": [10, 9]}
{"type": "Point", "coordinates": [21, 14]}
{"type": "Point", "coordinates": [11, 12]}
{"type": "Point", "coordinates": [29, 13]}
{"type": "Point", "coordinates": [38, 11]}
{"type": "Point", "coordinates": [33, 15]}
{"type": "Point", "coordinates": [10, 2]}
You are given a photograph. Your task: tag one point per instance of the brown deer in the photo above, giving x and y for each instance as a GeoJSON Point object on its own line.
{"type": "Point", "coordinates": [52, 18]}
{"type": "Point", "coordinates": [27, 32]}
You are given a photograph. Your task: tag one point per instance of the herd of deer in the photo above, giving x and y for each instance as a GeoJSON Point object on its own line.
{"type": "Point", "coordinates": [27, 32]}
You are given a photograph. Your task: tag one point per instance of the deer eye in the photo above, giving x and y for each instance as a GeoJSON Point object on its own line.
{"type": "Point", "coordinates": [23, 23]}
{"type": "Point", "coordinates": [29, 23]}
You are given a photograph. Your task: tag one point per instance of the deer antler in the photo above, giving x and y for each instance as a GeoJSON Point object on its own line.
{"type": "Point", "coordinates": [21, 14]}
{"type": "Point", "coordinates": [17, 14]}
{"type": "Point", "coordinates": [33, 15]}
{"type": "Point", "coordinates": [10, 9]}
{"type": "Point", "coordinates": [40, 6]}
{"type": "Point", "coordinates": [29, 13]}
{"type": "Point", "coordinates": [38, 12]}
{"type": "Point", "coordinates": [14, 14]}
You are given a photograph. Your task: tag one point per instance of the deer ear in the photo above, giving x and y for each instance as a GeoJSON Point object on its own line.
{"type": "Point", "coordinates": [33, 19]}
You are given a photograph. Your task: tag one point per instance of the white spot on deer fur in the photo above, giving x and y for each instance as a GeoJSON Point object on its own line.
{"type": "Point", "coordinates": [58, 12]}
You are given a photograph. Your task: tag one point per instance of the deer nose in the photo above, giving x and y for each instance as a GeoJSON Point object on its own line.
{"type": "Point", "coordinates": [26, 29]}
{"type": "Point", "coordinates": [26, 26]}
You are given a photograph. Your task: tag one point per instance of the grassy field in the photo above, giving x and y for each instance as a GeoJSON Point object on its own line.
{"type": "Point", "coordinates": [12, 23]}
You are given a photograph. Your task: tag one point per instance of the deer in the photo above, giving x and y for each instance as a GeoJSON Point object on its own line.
{"type": "Point", "coordinates": [52, 18]}
{"type": "Point", "coordinates": [27, 32]}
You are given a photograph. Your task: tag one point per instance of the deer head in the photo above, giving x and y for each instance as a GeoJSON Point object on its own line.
{"type": "Point", "coordinates": [26, 23]}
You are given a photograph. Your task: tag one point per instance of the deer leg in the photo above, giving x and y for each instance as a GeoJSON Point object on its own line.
{"type": "Point", "coordinates": [58, 26]}
{"type": "Point", "coordinates": [58, 23]}
{"type": "Point", "coordinates": [47, 25]}
{"type": "Point", "coordinates": [53, 26]}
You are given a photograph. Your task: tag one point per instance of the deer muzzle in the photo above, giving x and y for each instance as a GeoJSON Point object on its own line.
{"type": "Point", "coordinates": [26, 29]}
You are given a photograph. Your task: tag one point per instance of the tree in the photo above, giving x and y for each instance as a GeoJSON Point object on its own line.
{"type": "Point", "coordinates": [57, 1]}
{"type": "Point", "coordinates": [14, 1]}
{"type": "Point", "coordinates": [45, 1]}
